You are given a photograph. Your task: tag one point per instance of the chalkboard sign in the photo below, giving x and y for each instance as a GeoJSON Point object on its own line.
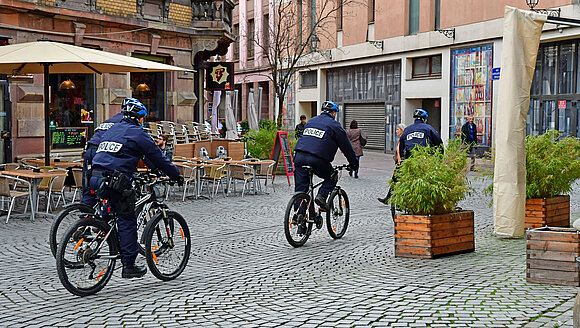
{"type": "Point", "coordinates": [282, 146]}
{"type": "Point", "coordinates": [69, 138]}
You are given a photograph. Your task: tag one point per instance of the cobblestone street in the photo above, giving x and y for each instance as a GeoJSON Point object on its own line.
{"type": "Point", "coordinates": [242, 272]}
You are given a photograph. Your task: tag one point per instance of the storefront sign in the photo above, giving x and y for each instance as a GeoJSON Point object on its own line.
{"type": "Point", "coordinates": [562, 104]}
{"type": "Point", "coordinates": [69, 138]}
{"type": "Point", "coordinates": [219, 76]}
{"type": "Point", "coordinates": [86, 116]}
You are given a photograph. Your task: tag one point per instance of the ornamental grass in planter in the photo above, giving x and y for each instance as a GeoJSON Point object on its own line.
{"type": "Point", "coordinates": [430, 184]}
{"type": "Point", "coordinates": [552, 165]}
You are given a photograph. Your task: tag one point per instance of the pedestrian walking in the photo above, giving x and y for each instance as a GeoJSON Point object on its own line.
{"type": "Point", "coordinates": [358, 139]}
{"type": "Point", "coordinates": [397, 158]}
{"type": "Point", "coordinates": [300, 127]}
{"type": "Point", "coordinates": [469, 138]}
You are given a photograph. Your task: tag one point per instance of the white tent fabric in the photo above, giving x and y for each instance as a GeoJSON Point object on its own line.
{"type": "Point", "coordinates": [217, 97]}
{"type": "Point", "coordinates": [231, 130]}
{"type": "Point", "coordinates": [252, 116]}
{"type": "Point", "coordinates": [522, 31]}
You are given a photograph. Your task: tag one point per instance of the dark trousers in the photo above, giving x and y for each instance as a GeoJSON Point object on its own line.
{"type": "Point", "coordinates": [88, 196]}
{"type": "Point", "coordinates": [320, 167]}
{"type": "Point", "coordinates": [126, 224]}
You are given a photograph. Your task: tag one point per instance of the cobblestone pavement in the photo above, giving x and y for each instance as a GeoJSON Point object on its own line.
{"type": "Point", "coordinates": [242, 272]}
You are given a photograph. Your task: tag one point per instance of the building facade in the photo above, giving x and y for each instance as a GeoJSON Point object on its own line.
{"type": "Point", "coordinates": [179, 32]}
{"type": "Point", "coordinates": [252, 25]}
{"type": "Point", "coordinates": [388, 57]}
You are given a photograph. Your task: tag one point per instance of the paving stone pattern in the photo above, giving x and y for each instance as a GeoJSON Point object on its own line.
{"type": "Point", "coordinates": [242, 272]}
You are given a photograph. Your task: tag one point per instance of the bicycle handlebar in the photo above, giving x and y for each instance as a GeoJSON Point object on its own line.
{"type": "Point", "coordinates": [341, 167]}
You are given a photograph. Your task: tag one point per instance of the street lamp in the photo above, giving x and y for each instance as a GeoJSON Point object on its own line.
{"type": "Point", "coordinates": [532, 3]}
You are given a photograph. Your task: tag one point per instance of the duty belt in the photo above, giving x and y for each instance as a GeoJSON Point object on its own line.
{"type": "Point", "coordinates": [92, 146]}
{"type": "Point", "coordinates": [100, 174]}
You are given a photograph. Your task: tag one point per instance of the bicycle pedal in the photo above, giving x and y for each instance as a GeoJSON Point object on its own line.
{"type": "Point", "coordinates": [310, 221]}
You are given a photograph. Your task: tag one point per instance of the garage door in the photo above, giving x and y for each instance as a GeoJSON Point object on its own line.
{"type": "Point", "coordinates": [371, 119]}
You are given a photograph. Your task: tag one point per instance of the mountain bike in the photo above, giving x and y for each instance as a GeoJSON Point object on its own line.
{"type": "Point", "coordinates": [86, 255]}
{"type": "Point", "coordinates": [302, 212]}
{"type": "Point", "coordinates": [145, 207]}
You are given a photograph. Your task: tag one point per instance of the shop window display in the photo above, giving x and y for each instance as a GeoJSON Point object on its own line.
{"type": "Point", "coordinates": [471, 90]}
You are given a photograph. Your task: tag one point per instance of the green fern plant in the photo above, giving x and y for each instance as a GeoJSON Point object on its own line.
{"type": "Point", "coordinates": [552, 164]}
{"type": "Point", "coordinates": [432, 181]}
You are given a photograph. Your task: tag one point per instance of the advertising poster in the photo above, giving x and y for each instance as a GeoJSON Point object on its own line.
{"type": "Point", "coordinates": [471, 90]}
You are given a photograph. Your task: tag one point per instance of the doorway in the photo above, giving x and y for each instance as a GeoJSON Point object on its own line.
{"type": "Point", "coordinates": [5, 117]}
{"type": "Point", "coordinates": [433, 107]}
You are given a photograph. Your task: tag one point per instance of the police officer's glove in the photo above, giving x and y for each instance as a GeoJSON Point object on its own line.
{"type": "Point", "coordinates": [353, 166]}
{"type": "Point", "coordinates": [179, 181]}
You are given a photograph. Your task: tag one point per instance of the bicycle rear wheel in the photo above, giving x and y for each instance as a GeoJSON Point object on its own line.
{"type": "Point", "coordinates": [167, 245]}
{"type": "Point", "coordinates": [296, 227]}
{"type": "Point", "coordinates": [85, 258]}
{"type": "Point", "coordinates": [339, 214]}
{"type": "Point", "coordinates": [65, 219]}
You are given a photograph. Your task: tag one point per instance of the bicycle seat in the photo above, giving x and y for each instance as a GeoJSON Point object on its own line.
{"type": "Point", "coordinates": [307, 167]}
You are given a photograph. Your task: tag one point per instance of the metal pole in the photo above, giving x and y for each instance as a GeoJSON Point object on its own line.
{"type": "Point", "coordinates": [563, 21]}
{"type": "Point", "coordinates": [46, 117]}
{"type": "Point", "coordinates": [236, 105]}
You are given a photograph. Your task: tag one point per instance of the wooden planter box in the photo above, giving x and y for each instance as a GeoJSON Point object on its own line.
{"type": "Point", "coordinates": [430, 236]}
{"type": "Point", "coordinates": [551, 256]}
{"type": "Point", "coordinates": [552, 212]}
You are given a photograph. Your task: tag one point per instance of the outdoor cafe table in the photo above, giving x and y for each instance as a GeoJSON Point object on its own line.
{"type": "Point", "coordinates": [62, 164]}
{"type": "Point", "coordinates": [253, 164]}
{"type": "Point", "coordinates": [35, 178]}
{"type": "Point", "coordinates": [199, 166]}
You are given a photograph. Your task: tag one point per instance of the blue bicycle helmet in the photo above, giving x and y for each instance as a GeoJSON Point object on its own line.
{"type": "Point", "coordinates": [329, 106]}
{"type": "Point", "coordinates": [134, 108]}
{"type": "Point", "coordinates": [420, 114]}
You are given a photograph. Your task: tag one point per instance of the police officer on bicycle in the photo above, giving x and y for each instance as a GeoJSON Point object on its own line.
{"type": "Point", "coordinates": [317, 146]}
{"type": "Point", "coordinates": [116, 159]}
{"type": "Point", "coordinates": [91, 149]}
{"type": "Point", "coordinates": [418, 133]}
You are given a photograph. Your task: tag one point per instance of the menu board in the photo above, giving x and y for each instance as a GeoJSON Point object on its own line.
{"type": "Point", "coordinates": [282, 146]}
{"type": "Point", "coordinates": [65, 138]}
{"type": "Point", "coordinates": [471, 90]}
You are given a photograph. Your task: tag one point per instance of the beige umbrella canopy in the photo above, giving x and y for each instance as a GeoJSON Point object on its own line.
{"type": "Point", "coordinates": [58, 58]}
{"type": "Point", "coordinates": [31, 57]}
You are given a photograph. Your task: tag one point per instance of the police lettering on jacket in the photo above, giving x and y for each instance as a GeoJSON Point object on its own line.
{"type": "Point", "coordinates": [419, 133]}
{"type": "Point", "coordinates": [102, 128]}
{"type": "Point", "coordinates": [124, 144]}
{"type": "Point", "coordinates": [323, 136]}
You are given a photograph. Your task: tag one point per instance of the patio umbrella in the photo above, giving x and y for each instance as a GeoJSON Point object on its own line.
{"type": "Point", "coordinates": [252, 116]}
{"type": "Point", "coordinates": [45, 57]}
{"type": "Point", "coordinates": [231, 130]}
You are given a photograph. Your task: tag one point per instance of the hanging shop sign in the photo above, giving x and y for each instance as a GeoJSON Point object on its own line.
{"type": "Point", "coordinates": [219, 76]}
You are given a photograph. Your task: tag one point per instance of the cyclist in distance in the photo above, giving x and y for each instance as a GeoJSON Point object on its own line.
{"type": "Point", "coordinates": [418, 133]}
{"type": "Point", "coordinates": [91, 149]}
{"type": "Point", "coordinates": [116, 158]}
{"type": "Point", "coordinates": [317, 146]}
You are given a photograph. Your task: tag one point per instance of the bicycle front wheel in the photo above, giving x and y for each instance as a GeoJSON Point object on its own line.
{"type": "Point", "coordinates": [339, 214]}
{"type": "Point", "coordinates": [85, 258]}
{"type": "Point", "coordinates": [65, 219]}
{"type": "Point", "coordinates": [167, 245]}
{"type": "Point", "coordinates": [296, 227]}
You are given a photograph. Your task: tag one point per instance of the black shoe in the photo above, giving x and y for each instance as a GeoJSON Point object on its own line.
{"type": "Point", "coordinates": [320, 200]}
{"type": "Point", "coordinates": [383, 200]}
{"type": "Point", "coordinates": [350, 173]}
{"type": "Point", "coordinates": [356, 176]}
{"type": "Point", "coordinates": [133, 271]}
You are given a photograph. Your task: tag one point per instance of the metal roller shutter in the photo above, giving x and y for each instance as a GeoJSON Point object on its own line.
{"type": "Point", "coordinates": [371, 119]}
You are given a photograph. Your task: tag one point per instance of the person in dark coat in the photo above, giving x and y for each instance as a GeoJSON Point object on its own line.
{"type": "Point", "coordinates": [321, 138]}
{"type": "Point", "coordinates": [469, 138]}
{"type": "Point", "coordinates": [357, 139]}
{"type": "Point", "coordinates": [300, 127]}
{"type": "Point", "coordinates": [88, 197]}
{"type": "Point", "coordinates": [118, 154]}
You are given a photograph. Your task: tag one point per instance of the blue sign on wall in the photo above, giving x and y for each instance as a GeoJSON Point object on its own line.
{"type": "Point", "coordinates": [495, 73]}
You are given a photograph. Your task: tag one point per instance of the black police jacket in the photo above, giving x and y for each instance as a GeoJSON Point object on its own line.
{"type": "Point", "coordinates": [418, 133]}
{"type": "Point", "coordinates": [102, 128]}
{"type": "Point", "coordinates": [322, 136]}
{"type": "Point", "coordinates": [124, 144]}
